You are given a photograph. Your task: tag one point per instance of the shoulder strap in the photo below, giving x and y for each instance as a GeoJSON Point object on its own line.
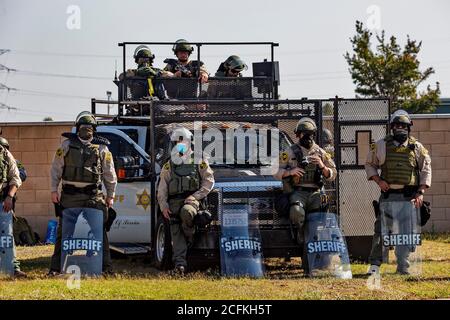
{"type": "Point", "coordinates": [297, 152]}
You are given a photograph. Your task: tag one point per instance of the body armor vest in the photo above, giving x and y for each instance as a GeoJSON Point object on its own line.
{"type": "Point", "coordinates": [82, 163]}
{"type": "Point", "coordinates": [183, 178]}
{"type": "Point", "coordinates": [3, 166]}
{"type": "Point", "coordinates": [311, 175]}
{"type": "Point", "coordinates": [400, 166]}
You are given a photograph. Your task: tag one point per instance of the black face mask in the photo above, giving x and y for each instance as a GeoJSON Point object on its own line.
{"type": "Point", "coordinates": [86, 133]}
{"type": "Point", "coordinates": [400, 135]}
{"type": "Point", "coordinates": [307, 140]}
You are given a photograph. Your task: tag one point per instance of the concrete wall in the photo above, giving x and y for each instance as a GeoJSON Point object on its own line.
{"type": "Point", "coordinates": [434, 132]}
{"type": "Point", "coordinates": [35, 144]}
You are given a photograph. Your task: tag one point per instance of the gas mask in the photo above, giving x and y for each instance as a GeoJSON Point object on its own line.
{"type": "Point", "coordinates": [400, 134]}
{"type": "Point", "coordinates": [86, 133]}
{"type": "Point", "coordinates": [307, 140]}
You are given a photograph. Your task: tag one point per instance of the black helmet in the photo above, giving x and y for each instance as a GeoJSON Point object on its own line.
{"type": "Point", "coordinates": [327, 136]}
{"type": "Point", "coordinates": [4, 143]}
{"type": "Point", "coordinates": [305, 124]}
{"type": "Point", "coordinates": [143, 52]}
{"type": "Point", "coordinates": [182, 45]}
{"type": "Point", "coordinates": [85, 117]}
{"type": "Point", "coordinates": [235, 63]}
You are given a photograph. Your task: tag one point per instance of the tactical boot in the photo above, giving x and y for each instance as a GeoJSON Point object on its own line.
{"type": "Point", "coordinates": [20, 274]}
{"type": "Point", "coordinates": [373, 270]}
{"type": "Point", "coordinates": [179, 270]}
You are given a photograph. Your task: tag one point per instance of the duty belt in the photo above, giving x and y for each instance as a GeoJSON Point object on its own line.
{"type": "Point", "coordinates": [407, 191]}
{"type": "Point", "coordinates": [90, 189]}
{"type": "Point", "coordinates": [183, 195]}
{"type": "Point", "coordinates": [309, 189]}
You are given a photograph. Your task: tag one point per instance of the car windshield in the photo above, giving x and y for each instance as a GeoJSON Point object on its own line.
{"type": "Point", "coordinates": [243, 148]}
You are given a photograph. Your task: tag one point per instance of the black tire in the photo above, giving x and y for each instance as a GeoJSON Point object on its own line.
{"type": "Point", "coordinates": [162, 251]}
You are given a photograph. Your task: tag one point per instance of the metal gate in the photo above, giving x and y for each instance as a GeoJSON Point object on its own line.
{"type": "Point", "coordinates": [357, 124]}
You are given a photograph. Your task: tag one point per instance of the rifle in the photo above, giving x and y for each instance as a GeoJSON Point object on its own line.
{"type": "Point", "coordinates": [185, 72]}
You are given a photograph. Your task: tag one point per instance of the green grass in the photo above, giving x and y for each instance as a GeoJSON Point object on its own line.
{"type": "Point", "coordinates": [136, 279]}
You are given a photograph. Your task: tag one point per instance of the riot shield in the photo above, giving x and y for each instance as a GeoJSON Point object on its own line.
{"type": "Point", "coordinates": [82, 241]}
{"type": "Point", "coordinates": [6, 243]}
{"type": "Point", "coordinates": [326, 247]}
{"type": "Point", "coordinates": [240, 242]}
{"type": "Point", "coordinates": [400, 228]}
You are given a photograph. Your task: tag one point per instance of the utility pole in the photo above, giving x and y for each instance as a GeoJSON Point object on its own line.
{"type": "Point", "coordinates": [108, 93]}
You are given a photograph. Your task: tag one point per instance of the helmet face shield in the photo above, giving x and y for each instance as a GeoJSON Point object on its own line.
{"type": "Point", "coordinates": [85, 118]}
{"type": "Point", "coordinates": [306, 125]}
{"type": "Point", "coordinates": [182, 45]}
{"type": "Point", "coordinates": [401, 117]}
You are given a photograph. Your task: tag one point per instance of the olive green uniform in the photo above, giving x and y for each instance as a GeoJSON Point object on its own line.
{"type": "Point", "coordinates": [304, 192]}
{"type": "Point", "coordinates": [191, 65]}
{"type": "Point", "coordinates": [9, 176]}
{"type": "Point", "coordinates": [401, 166]}
{"type": "Point", "coordinates": [176, 183]}
{"type": "Point", "coordinates": [81, 168]}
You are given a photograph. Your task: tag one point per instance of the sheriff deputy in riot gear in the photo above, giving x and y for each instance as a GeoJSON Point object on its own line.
{"type": "Point", "coordinates": [10, 182]}
{"type": "Point", "coordinates": [22, 171]}
{"type": "Point", "coordinates": [405, 175]}
{"type": "Point", "coordinates": [302, 168]}
{"type": "Point", "coordinates": [81, 164]}
{"type": "Point", "coordinates": [327, 142]}
{"type": "Point", "coordinates": [182, 185]}
{"type": "Point", "coordinates": [182, 66]}
{"type": "Point", "coordinates": [231, 67]}
{"type": "Point", "coordinates": [144, 58]}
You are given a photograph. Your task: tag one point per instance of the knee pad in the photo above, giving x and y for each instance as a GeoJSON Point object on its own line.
{"type": "Point", "coordinates": [297, 214]}
{"type": "Point", "coordinates": [187, 214]}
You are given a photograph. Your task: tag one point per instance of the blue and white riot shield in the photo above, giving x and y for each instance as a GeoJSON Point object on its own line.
{"type": "Point", "coordinates": [326, 247]}
{"type": "Point", "coordinates": [82, 241]}
{"type": "Point", "coordinates": [6, 243]}
{"type": "Point", "coordinates": [401, 230]}
{"type": "Point", "coordinates": [240, 242]}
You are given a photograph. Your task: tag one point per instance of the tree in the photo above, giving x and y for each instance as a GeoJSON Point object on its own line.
{"type": "Point", "coordinates": [48, 119]}
{"type": "Point", "coordinates": [390, 71]}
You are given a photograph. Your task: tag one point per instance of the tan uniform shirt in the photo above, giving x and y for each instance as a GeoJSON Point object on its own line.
{"type": "Point", "coordinates": [109, 177]}
{"type": "Point", "coordinates": [207, 183]}
{"type": "Point", "coordinates": [13, 175]}
{"type": "Point", "coordinates": [377, 156]}
{"type": "Point", "coordinates": [289, 161]}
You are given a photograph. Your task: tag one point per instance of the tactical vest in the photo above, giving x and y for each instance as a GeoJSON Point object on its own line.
{"type": "Point", "coordinates": [183, 178]}
{"type": "Point", "coordinates": [400, 166]}
{"type": "Point", "coordinates": [82, 163]}
{"type": "Point", "coordinates": [3, 166]}
{"type": "Point", "coordinates": [311, 171]}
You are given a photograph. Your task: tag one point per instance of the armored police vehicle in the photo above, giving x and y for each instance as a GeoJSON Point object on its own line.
{"type": "Point", "coordinates": [245, 114]}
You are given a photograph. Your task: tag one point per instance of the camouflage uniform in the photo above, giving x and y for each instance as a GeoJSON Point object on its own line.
{"type": "Point", "coordinates": [9, 176]}
{"type": "Point", "coordinates": [63, 164]}
{"type": "Point", "coordinates": [176, 183]}
{"type": "Point", "coordinates": [400, 167]}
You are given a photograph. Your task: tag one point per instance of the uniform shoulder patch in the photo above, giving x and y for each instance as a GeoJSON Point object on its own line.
{"type": "Point", "coordinates": [108, 156]}
{"type": "Point", "coordinates": [284, 156]}
{"type": "Point", "coordinates": [203, 165]}
{"type": "Point", "coordinates": [59, 152]}
{"type": "Point", "coordinates": [166, 165]}
{"type": "Point", "coordinates": [423, 151]}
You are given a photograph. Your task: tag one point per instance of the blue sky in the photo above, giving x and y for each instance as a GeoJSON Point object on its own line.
{"type": "Point", "coordinates": [313, 37]}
